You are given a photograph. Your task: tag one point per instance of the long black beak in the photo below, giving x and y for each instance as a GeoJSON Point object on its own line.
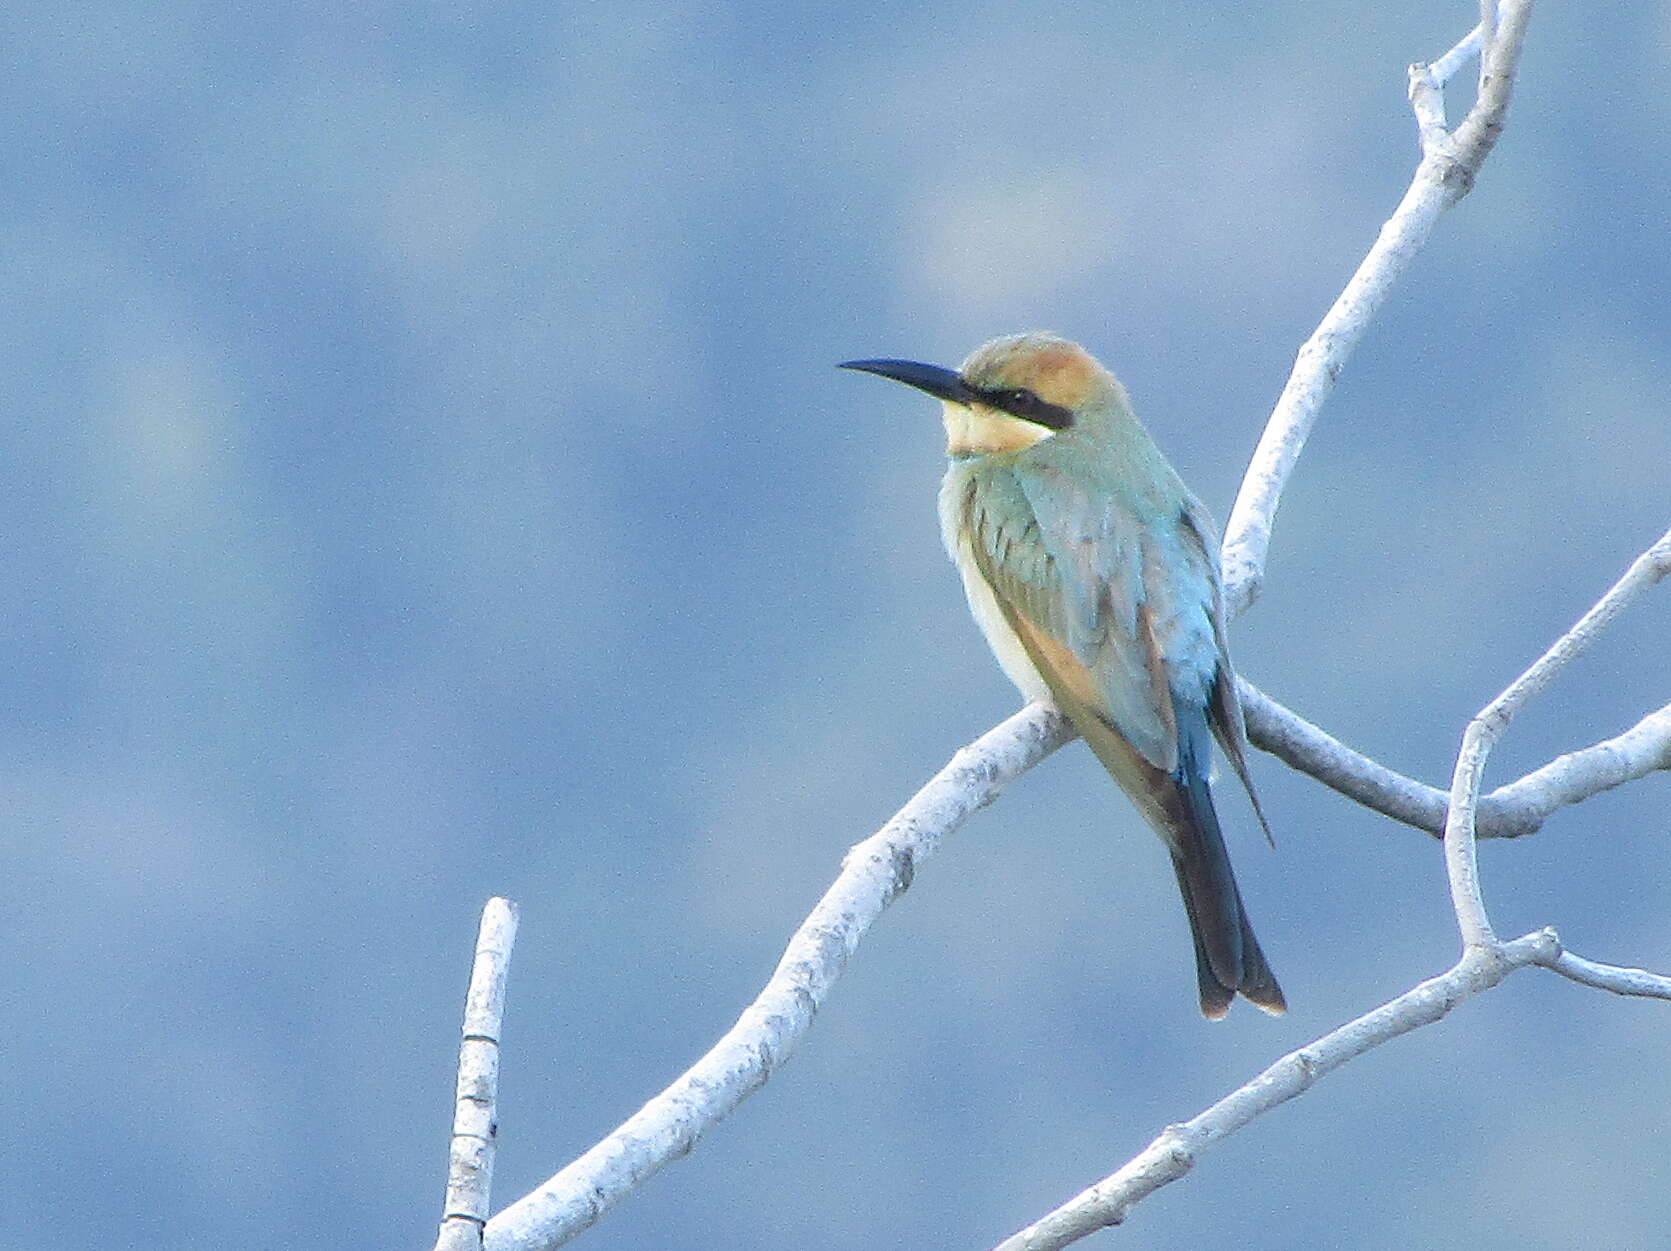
{"type": "Point", "coordinates": [944, 384]}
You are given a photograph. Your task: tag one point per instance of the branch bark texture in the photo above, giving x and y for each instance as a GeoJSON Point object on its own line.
{"type": "Point", "coordinates": [475, 1117]}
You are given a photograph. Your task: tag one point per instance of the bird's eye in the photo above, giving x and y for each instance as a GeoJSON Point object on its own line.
{"type": "Point", "coordinates": [1025, 404]}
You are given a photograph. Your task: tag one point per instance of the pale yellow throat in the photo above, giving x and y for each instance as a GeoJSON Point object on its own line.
{"type": "Point", "coordinates": [975, 429]}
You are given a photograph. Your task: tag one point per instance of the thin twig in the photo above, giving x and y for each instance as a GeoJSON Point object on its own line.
{"type": "Point", "coordinates": [1487, 728]}
{"type": "Point", "coordinates": [1510, 811]}
{"type": "Point", "coordinates": [1427, 90]}
{"type": "Point", "coordinates": [1446, 67]}
{"type": "Point", "coordinates": [1487, 33]}
{"type": "Point", "coordinates": [1620, 981]}
{"type": "Point", "coordinates": [1499, 64]}
{"type": "Point", "coordinates": [1639, 751]}
{"type": "Point", "coordinates": [475, 1127]}
{"type": "Point", "coordinates": [1313, 751]}
{"type": "Point", "coordinates": [1446, 172]}
{"type": "Point", "coordinates": [874, 873]}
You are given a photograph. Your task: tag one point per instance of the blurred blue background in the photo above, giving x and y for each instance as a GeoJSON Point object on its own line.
{"type": "Point", "coordinates": [426, 478]}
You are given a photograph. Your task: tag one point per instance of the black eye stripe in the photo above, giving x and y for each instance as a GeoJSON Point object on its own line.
{"type": "Point", "coordinates": [1019, 402]}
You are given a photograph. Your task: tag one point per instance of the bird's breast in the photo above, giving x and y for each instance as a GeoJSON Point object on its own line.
{"type": "Point", "coordinates": [1006, 646]}
{"type": "Point", "coordinates": [959, 496]}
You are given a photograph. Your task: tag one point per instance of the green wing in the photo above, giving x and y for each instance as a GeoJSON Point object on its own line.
{"type": "Point", "coordinates": [1070, 580]}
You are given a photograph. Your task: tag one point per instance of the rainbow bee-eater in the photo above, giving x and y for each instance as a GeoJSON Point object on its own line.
{"type": "Point", "coordinates": [1093, 573]}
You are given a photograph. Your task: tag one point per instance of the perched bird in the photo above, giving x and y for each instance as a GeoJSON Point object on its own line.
{"type": "Point", "coordinates": [1093, 573]}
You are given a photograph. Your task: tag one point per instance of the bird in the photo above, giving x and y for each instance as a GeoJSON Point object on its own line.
{"type": "Point", "coordinates": [1093, 574]}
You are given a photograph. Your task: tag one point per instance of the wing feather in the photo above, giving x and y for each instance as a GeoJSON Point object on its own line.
{"type": "Point", "coordinates": [1224, 708]}
{"type": "Point", "coordinates": [1075, 573]}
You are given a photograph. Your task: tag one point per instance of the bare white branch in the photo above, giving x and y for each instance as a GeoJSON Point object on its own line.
{"type": "Point", "coordinates": [1510, 811]}
{"type": "Point", "coordinates": [874, 873]}
{"type": "Point", "coordinates": [475, 1128]}
{"type": "Point", "coordinates": [1499, 64]}
{"type": "Point", "coordinates": [1428, 82]}
{"type": "Point", "coordinates": [1487, 728]}
{"type": "Point", "coordinates": [1568, 779]}
{"type": "Point", "coordinates": [1648, 569]}
{"type": "Point", "coordinates": [1427, 102]}
{"type": "Point", "coordinates": [1446, 67]}
{"type": "Point", "coordinates": [1620, 981]}
{"type": "Point", "coordinates": [1173, 1153]}
{"type": "Point", "coordinates": [1487, 31]}
{"type": "Point", "coordinates": [1312, 750]}
{"type": "Point", "coordinates": [1446, 172]}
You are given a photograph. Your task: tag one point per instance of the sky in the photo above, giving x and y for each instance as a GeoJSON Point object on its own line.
{"type": "Point", "coordinates": [427, 478]}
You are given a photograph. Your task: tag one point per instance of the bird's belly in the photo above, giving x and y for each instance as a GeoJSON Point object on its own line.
{"type": "Point", "coordinates": [1012, 656]}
